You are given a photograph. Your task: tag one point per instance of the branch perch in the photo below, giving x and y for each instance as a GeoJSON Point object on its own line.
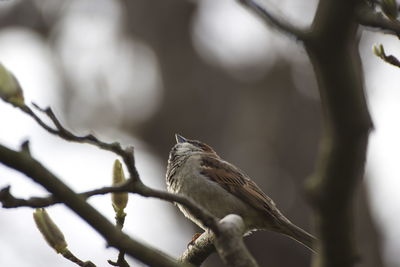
{"type": "Point", "coordinates": [198, 253]}
{"type": "Point", "coordinates": [24, 163]}
{"type": "Point", "coordinates": [230, 244]}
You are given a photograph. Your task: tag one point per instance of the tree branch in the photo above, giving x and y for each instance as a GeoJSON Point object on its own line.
{"type": "Point", "coordinates": [24, 163]}
{"type": "Point", "coordinates": [200, 250]}
{"type": "Point", "coordinates": [230, 245]}
{"type": "Point", "coordinates": [374, 20]}
{"type": "Point", "coordinates": [62, 132]}
{"type": "Point", "coordinates": [203, 215]}
{"type": "Point", "coordinates": [277, 23]}
{"type": "Point", "coordinates": [9, 201]}
{"type": "Point", "coordinates": [333, 50]}
{"type": "Point", "coordinates": [194, 254]}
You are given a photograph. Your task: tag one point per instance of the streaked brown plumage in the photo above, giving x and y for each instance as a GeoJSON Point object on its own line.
{"type": "Point", "coordinates": [196, 171]}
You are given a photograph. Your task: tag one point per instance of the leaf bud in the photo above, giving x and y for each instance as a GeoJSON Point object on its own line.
{"type": "Point", "coordinates": [51, 233]}
{"type": "Point", "coordinates": [119, 200]}
{"type": "Point", "coordinates": [10, 90]}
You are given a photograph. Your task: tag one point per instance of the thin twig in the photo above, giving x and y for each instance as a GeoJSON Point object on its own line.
{"type": "Point", "coordinates": [121, 261]}
{"type": "Point", "coordinates": [204, 216]}
{"type": "Point", "coordinates": [60, 131]}
{"type": "Point", "coordinates": [275, 22]}
{"type": "Point", "coordinates": [71, 257]}
{"type": "Point", "coordinates": [9, 201]}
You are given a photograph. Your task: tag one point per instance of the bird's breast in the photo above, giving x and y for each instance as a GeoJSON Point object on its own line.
{"type": "Point", "coordinates": [175, 165]}
{"type": "Point", "coordinates": [188, 180]}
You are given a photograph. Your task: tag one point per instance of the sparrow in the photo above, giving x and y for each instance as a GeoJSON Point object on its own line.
{"type": "Point", "coordinates": [196, 171]}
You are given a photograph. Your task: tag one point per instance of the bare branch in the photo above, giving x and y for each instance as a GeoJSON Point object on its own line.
{"type": "Point", "coordinates": [377, 21]}
{"type": "Point", "coordinates": [61, 131]}
{"type": "Point", "coordinates": [277, 23]}
{"type": "Point", "coordinates": [24, 163]}
{"type": "Point", "coordinates": [71, 257]}
{"type": "Point", "coordinates": [229, 243]}
{"type": "Point", "coordinates": [334, 53]}
{"type": "Point", "coordinates": [9, 201]}
{"type": "Point", "coordinates": [199, 252]}
{"type": "Point", "coordinates": [195, 254]}
{"type": "Point", "coordinates": [203, 215]}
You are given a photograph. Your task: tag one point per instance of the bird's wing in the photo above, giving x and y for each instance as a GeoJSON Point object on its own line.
{"type": "Point", "coordinates": [238, 184]}
{"type": "Point", "coordinates": [235, 181]}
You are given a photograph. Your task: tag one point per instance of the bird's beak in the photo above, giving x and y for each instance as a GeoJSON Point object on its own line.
{"type": "Point", "coordinates": [180, 139]}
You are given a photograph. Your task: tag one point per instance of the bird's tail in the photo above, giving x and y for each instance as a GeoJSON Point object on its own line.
{"type": "Point", "coordinates": [286, 227]}
{"type": "Point", "coordinates": [300, 236]}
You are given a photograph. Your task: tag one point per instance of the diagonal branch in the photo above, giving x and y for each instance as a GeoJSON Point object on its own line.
{"type": "Point", "coordinates": [374, 20]}
{"type": "Point", "coordinates": [24, 163]}
{"type": "Point", "coordinates": [277, 23]}
{"type": "Point", "coordinates": [195, 254]}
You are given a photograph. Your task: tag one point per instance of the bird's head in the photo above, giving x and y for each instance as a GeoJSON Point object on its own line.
{"type": "Point", "coordinates": [187, 147]}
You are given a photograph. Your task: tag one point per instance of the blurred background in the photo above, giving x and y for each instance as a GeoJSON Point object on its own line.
{"type": "Point", "coordinates": [139, 71]}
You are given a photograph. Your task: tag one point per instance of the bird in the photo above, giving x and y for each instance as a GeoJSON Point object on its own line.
{"type": "Point", "coordinates": [197, 172]}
